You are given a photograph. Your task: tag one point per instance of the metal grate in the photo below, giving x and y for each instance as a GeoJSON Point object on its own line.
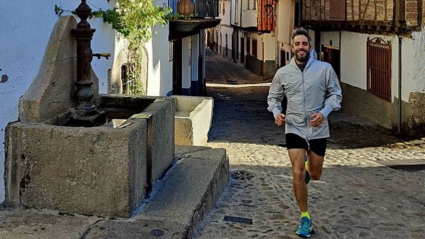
{"type": "Point", "coordinates": [242, 175]}
{"type": "Point", "coordinates": [379, 68]}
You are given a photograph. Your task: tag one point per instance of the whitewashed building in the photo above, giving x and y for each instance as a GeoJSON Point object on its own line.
{"type": "Point", "coordinates": [254, 41]}
{"type": "Point", "coordinates": [378, 52]}
{"type": "Point", "coordinates": [224, 30]}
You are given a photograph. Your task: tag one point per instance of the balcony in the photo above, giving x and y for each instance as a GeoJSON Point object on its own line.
{"type": "Point", "coordinates": [204, 14]}
{"type": "Point", "coordinates": [383, 16]}
{"type": "Point", "coordinates": [206, 8]}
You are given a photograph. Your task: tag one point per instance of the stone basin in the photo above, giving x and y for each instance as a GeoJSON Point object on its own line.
{"type": "Point", "coordinates": [103, 170]}
{"type": "Point", "coordinates": [193, 119]}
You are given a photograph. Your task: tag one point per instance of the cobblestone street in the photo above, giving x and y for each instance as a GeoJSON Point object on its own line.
{"type": "Point", "coordinates": [358, 196]}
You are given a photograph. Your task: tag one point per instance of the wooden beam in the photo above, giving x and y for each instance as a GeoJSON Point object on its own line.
{"type": "Point", "coordinates": [420, 13]}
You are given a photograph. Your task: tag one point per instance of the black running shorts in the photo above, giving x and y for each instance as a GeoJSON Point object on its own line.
{"type": "Point", "coordinates": [318, 146]}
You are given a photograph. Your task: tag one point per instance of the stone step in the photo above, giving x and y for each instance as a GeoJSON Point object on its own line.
{"type": "Point", "coordinates": [187, 193]}
{"type": "Point", "coordinates": [174, 209]}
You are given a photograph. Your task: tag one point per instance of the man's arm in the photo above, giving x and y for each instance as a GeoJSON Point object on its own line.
{"type": "Point", "coordinates": [274, 100]}
{"type": "Point", "coordinates": [276, 94]}
{"type": "Point", "coordinates": [333, 94]}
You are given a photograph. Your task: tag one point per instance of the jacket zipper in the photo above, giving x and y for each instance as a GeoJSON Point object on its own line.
{"type": "Point", "coordinates": [305, 113]}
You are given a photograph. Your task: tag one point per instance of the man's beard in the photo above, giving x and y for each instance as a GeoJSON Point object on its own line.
{"type": "Point", "coordinates": [302, 58]}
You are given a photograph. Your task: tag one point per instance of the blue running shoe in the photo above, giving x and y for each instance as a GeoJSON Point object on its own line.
{"type": "Point", "coordinates": [305, 228]}
{"type": "Point", "coordinates": [307, 175]}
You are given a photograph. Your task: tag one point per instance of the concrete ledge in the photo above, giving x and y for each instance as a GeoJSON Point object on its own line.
{"type": "Point", "coordinates": [191, 188]}
{"type": "Point", "coordinates": [193, 119]}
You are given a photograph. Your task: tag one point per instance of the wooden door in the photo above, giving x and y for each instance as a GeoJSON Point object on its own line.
{"type": "Point", "coordinates": [331, 55]}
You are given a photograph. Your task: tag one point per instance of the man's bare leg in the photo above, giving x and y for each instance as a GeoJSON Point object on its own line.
{"type": "Point", "coordinates": [315, 165]}
{"type": "Point", "coordinates": [297, 157]}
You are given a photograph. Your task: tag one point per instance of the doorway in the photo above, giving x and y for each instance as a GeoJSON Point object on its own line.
{"type": "Point", "coordinates": [331, 55]}
{"type": "Point", "coordinates": [177, 67]}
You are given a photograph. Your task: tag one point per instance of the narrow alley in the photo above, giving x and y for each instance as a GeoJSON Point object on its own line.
{"type": "Point", "coordinates": [360, 194]}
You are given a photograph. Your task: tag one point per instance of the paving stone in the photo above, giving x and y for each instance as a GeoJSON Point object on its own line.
{"type": "Point", "coordinates": [357, 196]}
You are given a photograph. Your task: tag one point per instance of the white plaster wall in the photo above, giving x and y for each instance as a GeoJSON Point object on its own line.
{"type": "Point", "coordinates": [225, 18]}
{"type": "Point", "coordinates": [185, 63]}
{"type": "Point", "coordinates": [249, 16]}
{"type": "Point", "coordinates": [285, 22]}
{"type": "Point", "coordinates": [26, 27]}
{"type": "Point", "coordinates": [195, 57]}
{"type": "Point", "coordinates": [327, 37]}
{"type": "Point", "coordinates": [235, 14]}
{"type": "Point", "coordinates": [417, 62]}
{"type": "Point", "coordinates": [354, 62]}
{"type": "Point", "coordinates": [160, 69]}
{"type": "Point", "coordinates": [229, 31]}
{"type": "Point", "coordinates": [353, 59]}
{"type": "Point", "coordinates": [270, 46]}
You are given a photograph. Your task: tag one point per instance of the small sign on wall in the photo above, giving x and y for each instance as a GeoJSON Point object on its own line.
{"type": "Point", "coordinates": [170, 51]}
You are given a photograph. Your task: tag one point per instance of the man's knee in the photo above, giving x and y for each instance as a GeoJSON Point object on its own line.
{"type": "Point", "coordinates": [316, 174]}
{"type": "Point", "coordinates": [299, 175]}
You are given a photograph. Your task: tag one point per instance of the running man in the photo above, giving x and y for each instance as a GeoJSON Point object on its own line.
{"type": "Point", "coordinates": [313, 92]}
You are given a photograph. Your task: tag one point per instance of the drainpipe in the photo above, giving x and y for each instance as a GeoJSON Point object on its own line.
{"type": "Point", "coordinates": [276, 34]}
{"type": "Point", "coordinates": [399, 83]}
{"type": "Point", "coordinates": [240, 29]}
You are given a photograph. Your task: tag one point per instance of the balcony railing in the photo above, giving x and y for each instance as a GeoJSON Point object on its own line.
{"type": "Point", "coordinates": [206, 8]}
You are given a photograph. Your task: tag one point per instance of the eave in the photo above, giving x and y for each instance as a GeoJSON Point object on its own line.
{"type": "Point", "coordinates": [373, 27]}
{"type": "Point", "coordinates": [181, 28]}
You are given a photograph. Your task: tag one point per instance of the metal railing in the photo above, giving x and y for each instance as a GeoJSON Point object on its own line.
{"type": "Point", "coordinates": [206, 8]}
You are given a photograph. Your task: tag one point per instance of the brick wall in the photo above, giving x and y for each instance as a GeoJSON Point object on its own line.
{"type": "Point", "coordinates": [362, 10]}
{"type": "Point", "coordinates": [411, 7]}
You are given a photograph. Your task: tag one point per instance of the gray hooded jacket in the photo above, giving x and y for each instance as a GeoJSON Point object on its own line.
{"type": "Point", "coordinates": [316, 89]}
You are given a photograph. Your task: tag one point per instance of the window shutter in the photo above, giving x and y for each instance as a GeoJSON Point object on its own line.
{"type": "Point", "coordinates": [337, 10]}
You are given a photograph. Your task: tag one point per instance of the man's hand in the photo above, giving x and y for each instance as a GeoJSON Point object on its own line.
{"type": "Point", "coordinates": [280, 119]}
{"type": "Point", "coordinates": [316, 119]}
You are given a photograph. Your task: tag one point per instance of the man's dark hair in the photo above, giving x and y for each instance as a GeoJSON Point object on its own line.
{"type": "Point", "coordinates": [298, 32]}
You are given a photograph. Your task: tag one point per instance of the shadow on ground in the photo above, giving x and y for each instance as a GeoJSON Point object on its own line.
{"type": "Point", "coordinates": [240, 115]}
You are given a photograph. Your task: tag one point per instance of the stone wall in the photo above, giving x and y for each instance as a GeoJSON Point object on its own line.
{"type": "Point", "coordinates": [368, 106]}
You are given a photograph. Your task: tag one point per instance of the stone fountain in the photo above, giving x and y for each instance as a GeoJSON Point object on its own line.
{"type": "Point", "coordinates": [76, 151]}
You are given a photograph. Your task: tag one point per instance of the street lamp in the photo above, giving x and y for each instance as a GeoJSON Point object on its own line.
{"type": "Point", "coordinates": [270, 9]}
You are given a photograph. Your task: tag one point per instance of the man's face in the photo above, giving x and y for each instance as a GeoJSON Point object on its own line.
{"type": "Point", "coordinates": [301, 48]}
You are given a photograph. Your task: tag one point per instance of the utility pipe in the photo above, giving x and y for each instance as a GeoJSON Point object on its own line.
{"type": "Point", "coordinates": [399, 83]}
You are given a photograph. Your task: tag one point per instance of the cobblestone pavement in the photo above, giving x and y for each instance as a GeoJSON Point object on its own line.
{"type": "Point", "coordinates": [357, 196]}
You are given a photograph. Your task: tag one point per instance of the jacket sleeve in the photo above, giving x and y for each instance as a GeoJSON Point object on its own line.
{"type": "Point", "coordinates": [276, 94]}
{"type": "Point", "coordinates": [333, 94]}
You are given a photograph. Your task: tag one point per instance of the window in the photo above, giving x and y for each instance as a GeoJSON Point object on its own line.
{"type": "Point", "coordinates": [254, 47]}
{"type": "Point", "coordinates": [337, 10]}
{"type": "Point", "coordinates": [255, 5]}
{"type": "Point", "coordinates": [223, 8]}
{"type": "Point", "coordinates": [379, 68]}
{"type": "Point", "coordinates": [249, 1]}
